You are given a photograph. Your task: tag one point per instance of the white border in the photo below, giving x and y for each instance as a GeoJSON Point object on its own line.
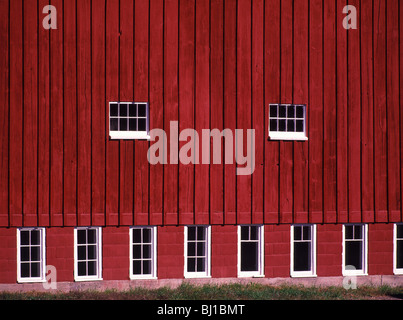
{"type": "Point", "coordinates": [312, 272]}
{"type": "Point", "coordinates": [364, 271]}
{"type": "Point", "coordinates": [42, 278]}
{"type": "Point", "coordinates": [397, 271]}
{"type": "Point", "coordinates": [207, 273]}
{"type": "Point", "coordinates": [259, 273]}
{"type": "Point", "coordinates": [153, 274]}
{"type": "Point", "coordinates": [99, 252]}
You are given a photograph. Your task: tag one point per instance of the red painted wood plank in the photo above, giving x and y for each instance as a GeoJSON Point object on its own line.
{"type": "Point", "coordinates": [316, 125]}
{"type": "Point", "coordinates": [156, 105]}
{"type": "Point", "coordinates": [186, 106]}
{"type": "Point", "coordinates": [126, 92]}
{"type": "Point", "coordinates": [112, 94]}
{"type": "Point", "coordinates": [272, 95]}
{"type": "Point", "coordinates": [202, 107]}
{"type": "Point", "coordinates": [16, 114]}
{"type": "Point", "coordinates": [43, 124]}
{"type": "Point", "coordinates": [401, 105]}
{"type": "Point", "coordinates": [70, 114]}
{"type": "Point", "coordinates": [4, 111]}
{"type": "Point", "coordinates": [244, 105]}
{"type": "Point", "coordinates": [258, 110]}
{"type": "Point", "coordinates": [341, 83]}
{"type": "Point", "coordinates": [171, 111]}
{"type": "Point", "coordinates": [392, 102]}
{"type": "Point", "coordinates": [354, 121]}
{"type": "Point", "coordinates": [84, 105]}
{"type": "Point", "coordinates": [229, 106]}
{"type": "Point", "coordinates": [367, 109]}
{"type": "Point", "coordinates": [217, 109]}
{"type": "Point", "coordinates": [301, 95]}
{"type": "Point", "coordinates": [380, 112]}
{"type": "Point", "coordinates": [30, 108]}
{"type": "Point", "coordinates": [56, 120]}
{"type": "Point", "coordinates": [141, 47]}
{"type": "Point", "coordinates": [329, 113]}
{"type": "Point", "coordinates": [99, 134]}
{"type": "Point", "coordinates": [286, 147]}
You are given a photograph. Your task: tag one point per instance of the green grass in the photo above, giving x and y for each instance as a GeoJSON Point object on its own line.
{"type": "Point", "coordinates": [218, 292]}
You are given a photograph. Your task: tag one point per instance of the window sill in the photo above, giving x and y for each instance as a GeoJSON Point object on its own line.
{"type": "Point", "coordinates": [240, 275]}
{"type": "Point", "coordinates": [290, 136]}
{"type": "Point", "coordinates": [87, 279]}
{"type": "Point", "coordinates": [143, 278]}
{"type": "Point", "coordinates": [354, 274]}
{"type": "Point", "coordinates": [31, 280]}
{"type": "Point", "coordinates": [129, 135]}
{"type": "Point", "coordinates": [195, 276]}
{"type": "Point", "coordinates": [296, 275]}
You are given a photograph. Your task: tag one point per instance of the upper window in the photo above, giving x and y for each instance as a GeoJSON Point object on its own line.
{"type": "Point", "coordinates": [287, 122]}
{"type": "Point", "coordinates": [197, 251]}
{"type": "Point", "coordinates": [87, 253]}
{"type": "Point", "coordinates": [398, 249]}
{"type": "Point", "coordinates": [355, 249]}
{"type": "Point", "coordinates": [250, 251]}
{"type": "Point", "coordinates": [143, 255]}
{"type": "Point", "coordinates": [31, 264]}
{"type": "Point", "coordinates": [129, 120]}
{"type": "Point", "coordinates": [303, 257]}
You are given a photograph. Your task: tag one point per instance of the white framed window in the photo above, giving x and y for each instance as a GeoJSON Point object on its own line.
{"type": "Point", "coordinates": [31, 265]}
{"type": "Point", "coordinates": [250, 251]}
{"type": "Point", "coordinates": [143, 252]}
{"type": "Point", "coordinates": [87, 253]}
{"type": "Point", "coordinates": [129, 120]}
{"type": "Point", "coordinates": [287, 122]}
{"type": "Point", "coordinates": [355, 249]}
{"type": "Point", "coordinates": [197, 251]}
{"type": "Point", "coordinates": [303, 250]}
{"type": "Point", "coordinates": [398, 248]}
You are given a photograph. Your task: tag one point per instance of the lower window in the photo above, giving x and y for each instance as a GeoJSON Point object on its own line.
{"type": "Point", "coordinates": [303, 250]}
{"type": "Point", "coordinates": [398, 248]}
{"type": "Point", "coordinates": [250, 251]}
{"type": "Point", "coordinates": [197, 251]}
{"type": "Point", "coordinates": [87, 253]}
{"type": "Point", "coordinates": [31, 264]}
{"type": "Point", "coordinates": [355, 247]}
{"type": "Point", "coordinates": [143, 253]}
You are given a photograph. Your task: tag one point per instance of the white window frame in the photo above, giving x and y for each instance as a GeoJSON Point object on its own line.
{"type": "Point", "coordinates": [364, 270]}
{"type": "Point", "coordinates": [284, 135]}
{"type": "Point", "coordinates": [98, 276]}
{"type": "Point", "coordinates": [153, 243]}
{"type": "Point", "coordinates": [396, 270]}
{"type": "Point", "coordinates": [42, 277]}
{"type": "Point", "coordinates": [207, 272]}
{"type": "Point", "coordinates": [260, 272]}
{"type": "Point", "coordinates": [130, 135]}
{"type": "Point", "coordinates": [312, 272]}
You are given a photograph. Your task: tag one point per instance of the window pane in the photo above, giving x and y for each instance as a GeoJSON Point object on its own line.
{"type": "Point", "coordinates": [281, 125]}
{"type": "Point", "coordinates": [201, 264]}
{"type": "Point", "coordinates": [282, 111]}
{"type": "Point", "coordinates": [201, 233]}
{"type": "Point", "coordinates": [24, 237]}
{"type": "Point", "coordinates": [133, 124]}
{"type": "Point", "coordinates": [254, 233]}
{"type": "Point", "coordinates": [137, 251]}
{"type": "Point", "coordinates": [35, 269]}
{"type": "Point", "coordinates": [299, 125]}
{"type": "Point", "coordinates": [307, 233]}
{"type": "Point", "coordinates": [273, 125]}
{"type": "Point", "coordinates": [114, 124]}
{"type": "Point", "coordinates": [123, 110]}
{"type": "Point", "coordinates": [399, 230]}
{"type": "Point", "coordinates": [92, 236]}
{"type": "Point", "coordinates": [24, 252]}
{"type": "Point", "coordinates": [24, 270]}
{"type": "Point", "coordinates": [244, 233]}
{"type": "Point", "coordinates": [81, 252]}
{"type": "Point", "coordinates": [273, 110]}
{"type": "Point", "coordinates": [133, 110]}
{"type": "Point", "coordinates": [354, 254]}
{"type": "Point", "coordinates": [136, 235]}
{"type": "Point", "coordinates": [357, 232]}
{"type": "Point", "coordinates": [137, 267]}
{"type": "Point", "coordinates": [141, 124]}
{"type": "Point", "coordinates": [191, 233]}
{"type": "Point", "coordinates": [348, 232]}
{"type": "Point", "coordinates": [142, 110]}
{"type": "Point", "coordinates": [82, 269]}
{"type": "Point", "coordinates": [35, 253]}
{"type": "Point", "coordinates": [191, 264]}
{"type": "Point", "coordinates": [300, 111]}
{"type": "Point", "coordinates": [147, 235]}
{"type": "Point", "coordinates": [81, 236]}
{"type": "Point", "coordinates": [92, 252]}
{"type": "Point", "coordinates": [302, 256]}
{"type": "Point", "coordinates": [123, 124]}
{"type": "Point", "coordinates": [290, 111]}
{"type": "Point", "coordinates": [147, 251]}
{"type": "Point", "coordinates": [114, 110]}
{"type": "Point", "coordinates": [146, 267]}
{"type": "Point", "coordinates": [290, 126]}
{"type": "Point", "coordinates": [201, 249]}
{"type": "Point", "coordinates": [92, 268]}
{"type": "Point", "coordinates": [297, 232]}
{"type": "Point", "coordinates": [399, 254]}
{"type": "Point", "coordinates": [249, 256]}
{"type": "Point", "coordinates": [191, 249]}
{"type": "Point", "coordinates": [35, 237]}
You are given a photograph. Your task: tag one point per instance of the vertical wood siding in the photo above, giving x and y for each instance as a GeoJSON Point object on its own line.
{"type": "Point", "coordinates": [206, 64]}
